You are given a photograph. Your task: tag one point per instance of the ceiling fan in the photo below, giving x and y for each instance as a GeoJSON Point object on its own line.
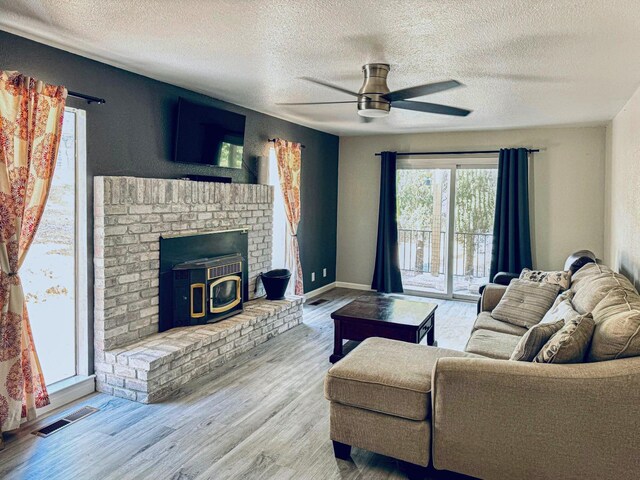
{"type": "Point", "coordinates": [375, 100]}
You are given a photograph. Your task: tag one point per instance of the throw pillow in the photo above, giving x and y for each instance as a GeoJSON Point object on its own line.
{"type": "Point", "coordinates": [524, 303]}
{"type": "Point", "coordinates": [561, 308]}
{"type": "Point", "coordinates": [571, 343]}
{"type": "Point", "coordinates": [563, 279]}
{"type": "Point", "coordinates": [532, 341]}
{"type": "Point", "coordinates": [617, 332]}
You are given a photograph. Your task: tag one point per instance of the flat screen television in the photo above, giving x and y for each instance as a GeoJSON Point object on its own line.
{"type": "Point", "coordinates": [209, 136]}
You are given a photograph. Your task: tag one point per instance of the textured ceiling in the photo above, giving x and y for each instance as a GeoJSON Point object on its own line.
{"type": "Point", "coordinates": [524, 62]}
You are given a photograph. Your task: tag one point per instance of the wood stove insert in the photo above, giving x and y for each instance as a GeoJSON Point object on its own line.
{"type": "Point", "coordinates": [203, 277]}
{"type": "Point", "coordinates": [207, 290]}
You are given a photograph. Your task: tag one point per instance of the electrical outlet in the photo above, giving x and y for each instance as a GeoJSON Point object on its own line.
{"type": "Point", "coordinates": [324, 272]}
{"type": "Point", "coordinates": [313, 276]}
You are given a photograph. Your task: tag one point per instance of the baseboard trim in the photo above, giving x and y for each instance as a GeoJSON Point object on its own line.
{"type": "Point", "coordinates": [69, 390]}
{"type": "Point", "coordinates": [353, 286]}
{"type": "Point", "coordinates": [319, 291]}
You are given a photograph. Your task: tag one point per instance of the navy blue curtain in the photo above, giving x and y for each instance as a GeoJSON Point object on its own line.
{"type": "Point", "coordinates": [511, 235]}
{"type": "Point", "coordinates": [386, 274]}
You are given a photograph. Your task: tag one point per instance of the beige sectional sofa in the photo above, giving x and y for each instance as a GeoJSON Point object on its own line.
{"type": "Point", "coordinates": [480, 414]}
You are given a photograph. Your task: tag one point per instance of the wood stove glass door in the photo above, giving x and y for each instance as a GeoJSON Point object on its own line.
{"type": "Point", "coordinates": [225, 293]}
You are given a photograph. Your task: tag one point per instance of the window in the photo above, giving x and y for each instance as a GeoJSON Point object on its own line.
{"type": "Point", "coordinates": [445, 224]}
{"type": "Point", "coordinates": [54, 270]}
{"type": "Point", "coordinates": [280, 225]}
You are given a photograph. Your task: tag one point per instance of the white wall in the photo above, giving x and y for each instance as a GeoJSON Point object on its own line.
{"type": "Point", "coordinates": [622, 214]}
{"type": "Point", "coordinates": [567, 194]}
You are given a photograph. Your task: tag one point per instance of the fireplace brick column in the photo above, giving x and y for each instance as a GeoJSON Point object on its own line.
{"type": "Point", "coordinates": [131, 213]}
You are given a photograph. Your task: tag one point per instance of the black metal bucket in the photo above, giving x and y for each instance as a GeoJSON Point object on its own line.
{"type": "Point", "coordinates": [275, 283]}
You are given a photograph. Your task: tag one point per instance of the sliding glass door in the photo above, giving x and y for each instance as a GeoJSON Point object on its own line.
{"type": "Point", "coordinates": [423, 224]}
{"type": "Point", "coordinates": [474, 211]}
{"type": "Point", "coordinates": [445, 225]}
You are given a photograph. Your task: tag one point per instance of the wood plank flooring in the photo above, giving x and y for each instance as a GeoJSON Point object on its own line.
{"type": "Point", "coordinates": [261, 416]}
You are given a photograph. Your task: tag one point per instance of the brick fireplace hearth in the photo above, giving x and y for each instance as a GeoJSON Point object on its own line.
{"type": "Point", "coordinates": [132, 359]}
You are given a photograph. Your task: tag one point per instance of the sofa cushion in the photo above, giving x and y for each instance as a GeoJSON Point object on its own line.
{"type": "Point", "coordinates": [525, 302]}
{"type": "Point", "coordinates": [387, 376]}
{"type": "Point", "coordinates": [561, 278]}
{"type": "Point", "coordinates": [578, 279]}
{"type": "Point", "coordinates": [617, 331]}
{"type": "Point", "coordinates": [492, 344]}
{"type": "Point", "coordinates": [486, 322]}
{"type": "Point", "coordinates": [531, 342]}
{"type": "Point", "coordinates": [593, 290]}
{"type": "Point", "coordinates": [571, 343]}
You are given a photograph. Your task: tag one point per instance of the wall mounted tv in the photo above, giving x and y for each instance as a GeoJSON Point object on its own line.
{"type": "Point", "coordinates": [209, 136]}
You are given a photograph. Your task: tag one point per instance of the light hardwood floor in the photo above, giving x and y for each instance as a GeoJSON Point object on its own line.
{"type": "Point", "coordinates": [261, 416]}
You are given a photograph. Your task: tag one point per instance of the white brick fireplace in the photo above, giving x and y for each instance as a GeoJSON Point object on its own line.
{"type": "Point", "coordinates": [132, 359]}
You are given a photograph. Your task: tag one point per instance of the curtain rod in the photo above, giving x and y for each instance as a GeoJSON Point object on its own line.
{"type": "Point", "coordinates": [88, 98]}
{"type": "Point", "coordinates": [274, 139]}
{"type": "Point", "coordinates": [471, 152]}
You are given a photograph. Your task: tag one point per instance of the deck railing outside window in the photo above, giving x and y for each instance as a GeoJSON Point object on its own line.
{"type": "Point", "coordinates": [471, 256]}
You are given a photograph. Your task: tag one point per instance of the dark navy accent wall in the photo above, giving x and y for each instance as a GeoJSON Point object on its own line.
{"type": "Point", "coordinates": [132, 134]}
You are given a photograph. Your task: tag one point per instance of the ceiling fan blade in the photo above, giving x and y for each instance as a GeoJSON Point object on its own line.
{"type": "Point", "coordinates": [421, 90]}
{"type": "Point", "coordinates": [316, 103]}
{"type": "Point", "coordinates": [365, 119]}
{"type": "Point", "coordinates": [431, 108]}
{"type": "Point", "coordinates": [330, 85]}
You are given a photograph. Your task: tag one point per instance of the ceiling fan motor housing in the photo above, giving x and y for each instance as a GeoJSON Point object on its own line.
{"type": "Point", "coordinates": [370, 101]}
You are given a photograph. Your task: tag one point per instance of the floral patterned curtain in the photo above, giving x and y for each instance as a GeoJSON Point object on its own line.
{"type": "Point", "coordinates": [289, 155]}
{"type": "Point", "coordinates": [31, 114]}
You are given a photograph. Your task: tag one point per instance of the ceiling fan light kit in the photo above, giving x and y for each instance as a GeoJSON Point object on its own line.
{"type": "Point", "coordinates": [375, 100]}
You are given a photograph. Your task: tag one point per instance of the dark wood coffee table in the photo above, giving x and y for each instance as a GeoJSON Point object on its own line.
{"type": "Point", "coordinates": [376, 315]}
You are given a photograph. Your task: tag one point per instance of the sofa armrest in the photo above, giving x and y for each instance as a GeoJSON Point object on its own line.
{"type": "Point", "coordinates": [491, 296]}
{"type": "Point", "coordinates": [504, 278]}
{"type": "Point", "coordinates": [507, 419]}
